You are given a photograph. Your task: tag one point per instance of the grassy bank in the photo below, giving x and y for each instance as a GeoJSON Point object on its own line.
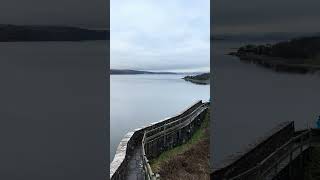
{"type": "Point", "coordinates": [312, 168]}
{"type": "Point", "coordinates": [188, 161]}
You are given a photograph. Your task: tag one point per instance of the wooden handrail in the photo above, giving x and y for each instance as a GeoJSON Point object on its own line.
{"type": "Point", "coordinates": [257, 169]}
{"type": "Point", "coordinates": [191, 116]}
{"type": "Point", "coordinates": [181, 118]}
{"type": "Point", "coordinates": [145, 162]}
{"type": "Point", "coordinates": [180, 125]}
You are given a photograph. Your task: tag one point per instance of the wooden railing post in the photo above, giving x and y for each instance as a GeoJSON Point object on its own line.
{"type": "Point", "coordinates": [259, 172]}
{"type": "Point", "coordinates": [310, 137]}
{"type": "Point", "coordinates": [290, 165]}
{"type": "Point", "coordinates": [301, 151]}
{"type": "Point", "coordinates": [301, 144]}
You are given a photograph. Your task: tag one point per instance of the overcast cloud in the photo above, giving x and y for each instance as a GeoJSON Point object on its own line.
{"type": "Point", "coordinates": [230, 16]}
{"type": "Point", "coordinates": [161, 35]}
{"type": "Point", "coordinates": [83, 13]}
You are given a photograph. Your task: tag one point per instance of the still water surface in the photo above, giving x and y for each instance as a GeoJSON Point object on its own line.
{"type": "Point", "coordinates": [138, 100]}
{"type": "Point", "coordinates": [52, 114]}
{"type": "Point", "coordinates": [250, 100]}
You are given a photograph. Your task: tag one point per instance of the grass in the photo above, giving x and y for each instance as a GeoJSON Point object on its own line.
{"type": "Point", "coordinates": [166, 156]}
{"type": "Point", "coordinates": [314, 61]}
{"type": "Point", "coordinates": [312, 168]}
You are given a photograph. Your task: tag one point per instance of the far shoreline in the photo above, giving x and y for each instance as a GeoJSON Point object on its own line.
{"type": "Point", "coordinates": [298, 55]}
{"type": "Point", "coordinates": [277, 63]}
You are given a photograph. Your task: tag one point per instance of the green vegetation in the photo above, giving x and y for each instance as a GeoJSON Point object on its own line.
{"type": "Point", "coordinates": [199, 79]}
{"type": "Point", "coordinates": [304, 50]}
{"type": "Point", "coordinates": [198, 136]}
{"type": "Point", "coordinates": [300, 55]}
{"type": "Point", "coordinates": [312, 168]}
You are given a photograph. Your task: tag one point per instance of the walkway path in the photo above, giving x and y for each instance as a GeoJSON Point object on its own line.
{"type": "Point", "coordinates": [135, 169]}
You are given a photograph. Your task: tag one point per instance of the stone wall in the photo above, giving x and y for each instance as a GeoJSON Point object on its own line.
{"type": "Point", "coordinates": [124, 151]}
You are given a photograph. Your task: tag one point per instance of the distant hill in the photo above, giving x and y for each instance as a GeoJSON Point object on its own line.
{"type": "Point", "coordinates": [129, 71]}
{"type": "Point", "coordinates": [13, 33]}
{"type": "Point", "coordinates": [260, 37]}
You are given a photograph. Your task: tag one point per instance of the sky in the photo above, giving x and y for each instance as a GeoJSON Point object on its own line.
{"type": "Point", "coordinates": [245, 16]}
{"type": "Point", "coordinates": [161, 35]}
{"type": "Point", "coordinates": [81, 13]}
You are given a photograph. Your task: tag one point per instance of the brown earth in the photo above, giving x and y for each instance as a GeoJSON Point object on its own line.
{"type": "Point", "coordinates": [192, 164]}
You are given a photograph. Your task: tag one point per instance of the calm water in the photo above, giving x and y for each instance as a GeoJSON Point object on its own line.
{"type": "Point", "coordinates": [138, 100]}
{"type": "Point", "coordinates": [250, 100]}
{"type": "Point", "coordinates": [51, 110]}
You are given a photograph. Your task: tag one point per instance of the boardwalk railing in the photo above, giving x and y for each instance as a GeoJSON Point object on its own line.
{"type": "Point", "coordinates": [254, 153]}
{"type": "Point", "coordinates": [155, 139]}
{"type": "Point", "coordinates": [271, 166]}
{"type": "Point", "coordinates": [280, 162]}
{"type": "Point", "coordinates": [149, 175]}
{"type": "Point", "coordinates": [173, 132]}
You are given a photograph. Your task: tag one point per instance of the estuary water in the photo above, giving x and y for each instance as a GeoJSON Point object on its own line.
{"type": "Point", "coordinates": [52, 115]}
{"type": "Point", "coordinates": [251, 100]}
{"type": "Point", "coordinates": [138, 100]}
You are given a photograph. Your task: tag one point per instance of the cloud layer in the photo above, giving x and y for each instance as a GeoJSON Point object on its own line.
{"type": "Point", "coordinates": [265, 16]}
{"type": "Point", "coordinates": [82, 13]}
{"type": "Point", "coordinates": [160, 35]}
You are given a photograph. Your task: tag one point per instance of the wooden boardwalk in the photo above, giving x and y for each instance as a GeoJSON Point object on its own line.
{"type": "Point", "coordinates": [277, 161]}
{"type": "Point", "coordinates": [131, 160]}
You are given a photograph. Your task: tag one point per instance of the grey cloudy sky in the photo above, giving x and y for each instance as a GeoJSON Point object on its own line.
{"type": "Point", "coordinates": [163, 35]}
{"type": "Point", "coordinates": [84, 13]}
{"type": "Point", "coordinates": [230, 16]}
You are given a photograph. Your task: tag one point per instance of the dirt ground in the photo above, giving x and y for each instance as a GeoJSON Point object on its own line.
{"type": "Point", "coordinates": [192, 164]}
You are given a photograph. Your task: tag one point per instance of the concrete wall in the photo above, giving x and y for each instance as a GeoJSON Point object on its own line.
{"type": "Point", "coordinates": [125, 149]}
{"type": "Point", "coordinates": [255, 154]}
